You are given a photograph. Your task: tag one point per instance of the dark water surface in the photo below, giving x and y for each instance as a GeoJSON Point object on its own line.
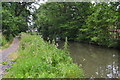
{"type": "Point", "coordinates": [96, 61]}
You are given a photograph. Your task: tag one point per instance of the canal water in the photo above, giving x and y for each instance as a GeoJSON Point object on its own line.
{"type": "Point", "coordinates": [96, 61]}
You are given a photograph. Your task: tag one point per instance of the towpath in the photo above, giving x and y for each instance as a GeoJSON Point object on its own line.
{"type": "Point", "coordinates": [4, 53]}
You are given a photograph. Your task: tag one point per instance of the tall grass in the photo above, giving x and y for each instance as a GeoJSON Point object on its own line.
{"type": "Point", "coordinates": [5, 41]}
{"type": "Point", "coordinates": [39, 59]}
{"type": "Point", "coordinates": [2, 40]}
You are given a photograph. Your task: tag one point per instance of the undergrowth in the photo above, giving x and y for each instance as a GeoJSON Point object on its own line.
{"type": "Point", "coordinates": [39, 59]}
{"type": "Point", "coordinates": [4, 43]}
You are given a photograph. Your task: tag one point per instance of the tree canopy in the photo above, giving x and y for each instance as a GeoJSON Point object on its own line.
{"type": "Point", "coordinates": [79, 21]}
{"type": "Point", "coordinates": [14, 18]}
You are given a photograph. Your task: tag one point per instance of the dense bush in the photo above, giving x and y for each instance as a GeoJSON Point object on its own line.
{"type": "Point", "coordinates": [39, 59]}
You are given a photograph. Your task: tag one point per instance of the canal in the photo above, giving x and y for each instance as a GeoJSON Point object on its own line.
{"type": "Point", "coordinates": [96, 61]}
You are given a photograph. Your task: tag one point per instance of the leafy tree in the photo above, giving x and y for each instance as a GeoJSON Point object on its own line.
{"type": "Point", "coordinates": [85, 22]}
{"type": "Point", "coordinates": [14, 18]}
{"type": "Point", "coordinates": [96, 29]}
{"type": "Point", "coordinates": [62, 19]}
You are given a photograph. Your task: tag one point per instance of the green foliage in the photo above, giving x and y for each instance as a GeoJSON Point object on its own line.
{"type": "Point", "coordinates": [4, 62]}
{"type": "Point", "coordinates": [39, 59]}
{"type": "Point", "coordinates": [2, 40]}
{"type": "Point", "coordinates": [66, 45]}
{"type": "Point", "coordinates": [84, 22]}
{"type": "Point", "coordinates": [62, 19]}
{"type": "Point", "coordinates": [5, 41]}
{"type": "Point", "coordinates": [98, 24]}
{"type": "Point", "coordinates": [14, 18]}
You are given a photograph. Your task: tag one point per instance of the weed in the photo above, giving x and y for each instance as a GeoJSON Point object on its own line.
{"type": "Point", "coordinates": [39, 59]}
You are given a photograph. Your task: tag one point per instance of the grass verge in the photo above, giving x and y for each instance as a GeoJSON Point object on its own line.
{"type": "Point", "coordinates": [39, 59]}
{"type": "Point", "coordinates": [4, 43]}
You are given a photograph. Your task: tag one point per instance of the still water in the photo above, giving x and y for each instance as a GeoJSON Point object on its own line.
{"type": "Point", "coordinates": [96, 61]}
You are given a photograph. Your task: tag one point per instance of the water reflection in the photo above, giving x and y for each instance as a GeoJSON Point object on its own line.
{"type": "Point", "coordinates": [96, 61]}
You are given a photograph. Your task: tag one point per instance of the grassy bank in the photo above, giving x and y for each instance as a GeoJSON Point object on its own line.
{"type": "Point", "coordinates": [39, 59]}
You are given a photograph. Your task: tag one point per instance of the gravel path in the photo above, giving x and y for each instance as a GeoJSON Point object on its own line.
{"type": "Point", "coordinates": [4, 53]}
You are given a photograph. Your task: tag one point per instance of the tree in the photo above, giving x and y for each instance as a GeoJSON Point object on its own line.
{"type": "Point", "coordinates": [96, 29]}
{"type": "Point", "coordinates": [14, 18]}
{"type": "Point", "coordinates": [62, 19]}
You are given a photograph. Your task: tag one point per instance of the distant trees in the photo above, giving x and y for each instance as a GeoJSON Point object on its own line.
{"type": "Point", "coordinates": [82, 21]}
{"type": "Point", "coordinates": [79, 21]}
{"type": "Point", "coordinates": [62, 19]}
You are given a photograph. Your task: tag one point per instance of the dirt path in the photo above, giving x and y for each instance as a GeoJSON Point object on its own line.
{"type": "Point", "coordinates": [4, 53]}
